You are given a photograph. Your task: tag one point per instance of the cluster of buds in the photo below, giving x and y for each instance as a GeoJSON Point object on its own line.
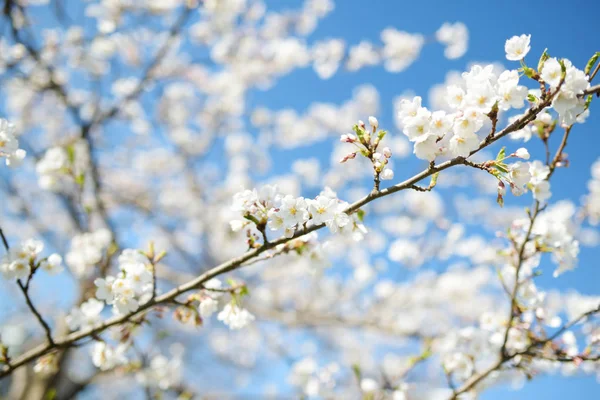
{"type": "Point", "coordinates": [367, 142]}
{"type": "Point", "coordinates": [187, 315]}
{"type": "Point", "coordinates": [520, 176]}
{"type": "Point", "coordinates": [23, 260]}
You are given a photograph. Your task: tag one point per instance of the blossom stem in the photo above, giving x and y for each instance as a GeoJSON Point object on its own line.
{"type": "Point", "coordinates": [239, 261]}
{"type": "Point", "coordinates": [25, 290]}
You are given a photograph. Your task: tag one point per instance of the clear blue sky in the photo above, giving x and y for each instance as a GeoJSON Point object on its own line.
{"type": "Point", "coordinates": [568, 29]}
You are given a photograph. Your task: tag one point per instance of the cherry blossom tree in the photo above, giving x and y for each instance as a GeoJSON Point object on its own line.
{"type": "Point", "coordinates": [150, 236]}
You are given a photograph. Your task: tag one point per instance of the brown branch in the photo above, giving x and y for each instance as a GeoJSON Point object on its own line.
{"type": "Point", "coordinates": [238, 262]}
{"type": "Point", "coordinates": [25, 290]}
{"type": "Point", "coordinates": [504, 356]}
{"type": "Point", "coordinates": [513, 296]}
{"type": "Point", "coordinates": [477, 378]}
{"type": "Point", "coordinates": [591, 90]}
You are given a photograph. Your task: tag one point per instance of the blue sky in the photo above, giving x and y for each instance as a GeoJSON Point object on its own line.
{"type": "Point", "coordinates": [568, 30]}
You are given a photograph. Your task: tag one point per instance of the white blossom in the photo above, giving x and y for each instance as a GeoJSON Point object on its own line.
{"type": "Point", "coordinates": [235, 317]}
{"type": "Point", "coordinates": [106, 357]}
{"type": "Point", "coordinates": [517, 47]}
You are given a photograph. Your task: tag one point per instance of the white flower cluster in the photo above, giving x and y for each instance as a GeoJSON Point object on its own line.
{"type": "Point", "coordinates": [399, 50]}
{"type": "Point", "coordinates": [568, 103]}
{"type": "Point", "coordinates": [232, 315]}
{"type": "Point", "coordinates": [455, 37]}
{"type": "Point", "coordinates": [61, 166]}
{"type": "Point", "coordinates": [131, 287]}
{"type": "Point", "coordinates": [554, 233]}
{"type": "Point", "coordinates": [542, 121]}
{"type": "Point", "coordinates": [474, 100]}
{"type": "Point", "coordinates": [106, 357]}
{"type": "Point", "coordinates": [522, 176]}
{"type": "Point", "coordinates": [9, 144]}
{"type": "Point", "coordinates": [125, 292]}
{"type": "Point", "coordinates": [268, 207]}
{"type": "Point", "coordinates": [162, 372]}
{"type": "Point", "coordinates": [51, 167]}
{"type": "Point", "coordinates": [209, 303]}
{"type": "Point", "coordinates": [367, 143]}
{"type": "Point", "coordinates": [22, 260]}
{"type": "Point", "coordinates": [439, 133]}
{"type": "Point", "coordinates": [315, 381]}
{"type": "Point", "coordinates": [87, 250]}
{"type": "Point", "coordinates": [235, 317]}
{"type": "Point", "coordinates": [86, 315]}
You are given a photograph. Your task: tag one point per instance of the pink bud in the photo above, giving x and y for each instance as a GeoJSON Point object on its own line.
{"type": "Point", "coordinates": [373, 122]}
{"type": "Point", "coordinates": [387, 174]}
{"type": "Point", "coordinates": [349, 138]}
{"type": "Point", "coordinates": [501, 188]}
{"type": "Point", "coordinates": [348, 157]}
{"type": "Point", "coordinates": [387, 152]}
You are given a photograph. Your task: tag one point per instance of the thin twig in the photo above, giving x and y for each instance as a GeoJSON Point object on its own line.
{"type": "Point", "coordinates": [25, 290]}
{"type": "Point", "coordinates": [238, 262]}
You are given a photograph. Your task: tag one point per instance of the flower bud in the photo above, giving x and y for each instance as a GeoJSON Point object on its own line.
{"type": "Point", "coordinates": [349, 138]}
{"type": "Point", "coordinates": [377, 156]}
{"type": "Point", "coordinates": [501, 188]}
{"type": "Point", "coordinates": [387, 152]}
{"type": "Point", "coordinates": [350, 156]}
{"type": "Point", "coordinates": [387, 174]}
{"type": "Point", "coordinates": [522, 153]}
{"type": "Point", "coordinates": [361, 124]}
{"type": "Point", "coordinates": [373, 122]}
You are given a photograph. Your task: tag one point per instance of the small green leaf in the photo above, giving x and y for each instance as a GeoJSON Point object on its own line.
{"type": "Point", "coordinates": [563, 68]}
{"type": "Point", "coordinates": [434, 179]}
{"type": "Point", "coordinates": [50, 394]}
{"type": "Point", "coordinates": [501, 168]}
{"type": "Point", "coordinates": [359, 131]}
{"type": "Point", "coordinates": [71, 153]}
{"type": "Point", "coordinates": [244, 291]}
{"type": "Point", "coordinates": [356, 371]}
{"type": "Point", "coordinates": [381, 134]}
{"type": "Point", "coordinates": [80, 180]}
{"type": "Point", "coordinates": [501, 154]}
{"type": "Point", "coordinates": [531, 98]}
{"type": "Point", "coordinates": [588, 101]}
{"type": "Point", "coordinates": [231, 282]}
{"type": "Point", "coordinates": [543, 59]}
{"type": "Point", "coordinates": [529, 72]}
{"type": "Point", "coordinates": [360, 214]}
{"type": "Point", "coordinates": [590, 64]}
